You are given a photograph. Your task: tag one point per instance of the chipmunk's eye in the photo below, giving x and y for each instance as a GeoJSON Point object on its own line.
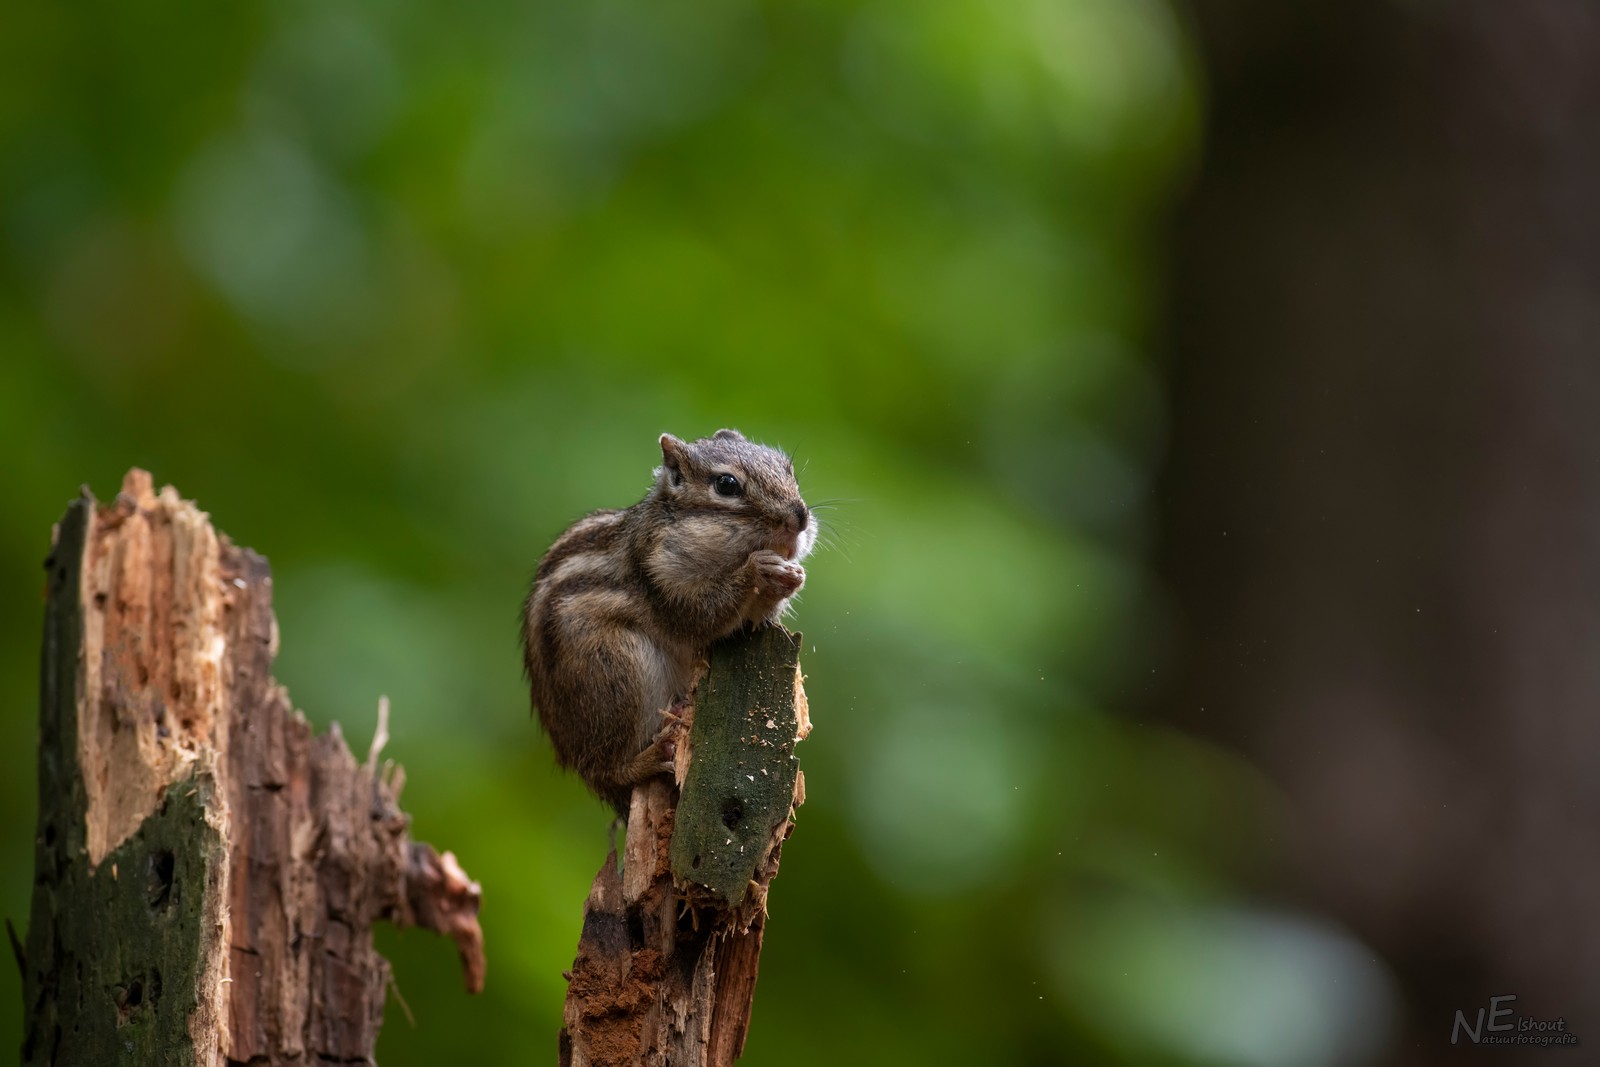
{"type": "Point", "coordinates": [727, 485]}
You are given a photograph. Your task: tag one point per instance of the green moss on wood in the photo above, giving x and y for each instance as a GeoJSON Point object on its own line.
{"type": "Point", "coordinates": [113, 954]}
{"type": "Point", "coordinates": [741, 779]}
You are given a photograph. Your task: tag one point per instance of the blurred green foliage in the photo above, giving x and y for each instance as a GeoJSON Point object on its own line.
{"type": "Point", "coordinates": [398, 291]}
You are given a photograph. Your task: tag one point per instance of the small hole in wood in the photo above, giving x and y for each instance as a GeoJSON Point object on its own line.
{"type": "Point", "coordinates": [129, 997]}
{"type": "Point", "coordinates": [732, 812]}
{"type": "Point", "coordinates": [635, 928]}
{"type": "Point", "coordinates": [695, 863]}
{"type": "Point", "coordinates": [158, 886]}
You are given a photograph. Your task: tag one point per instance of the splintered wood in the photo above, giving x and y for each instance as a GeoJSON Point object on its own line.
{"type": "Point", "coordinates": [666, 965]}
{"type": "Point", "coordinates": [207, 871]}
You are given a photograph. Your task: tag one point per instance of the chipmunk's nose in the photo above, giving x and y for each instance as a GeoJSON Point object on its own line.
{"type": "Point", "coordinates": [802, 517]}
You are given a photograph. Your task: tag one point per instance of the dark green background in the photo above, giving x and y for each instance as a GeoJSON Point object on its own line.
{"type": "Point", "coordinates": [397, 291]}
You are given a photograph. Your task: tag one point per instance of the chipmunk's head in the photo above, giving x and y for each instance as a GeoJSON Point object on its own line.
{"type": "Point", "coordinates": [725, 476]}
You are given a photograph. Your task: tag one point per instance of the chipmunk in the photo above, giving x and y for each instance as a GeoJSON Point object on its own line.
{"type": "Point", "coordinates": [625, 604]}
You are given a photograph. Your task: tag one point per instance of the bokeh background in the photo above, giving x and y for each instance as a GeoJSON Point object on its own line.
{"type": "Point", "coordinates": [1197, 393]}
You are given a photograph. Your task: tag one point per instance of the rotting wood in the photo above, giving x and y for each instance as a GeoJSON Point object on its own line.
{"type": "Point", "coordinates": [207, 870]}
{"type": "Point", "coordinates": [667, 961]}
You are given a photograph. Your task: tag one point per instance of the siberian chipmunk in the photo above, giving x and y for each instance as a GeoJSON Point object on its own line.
{"type": "Point", "coordinates": [625, 604]}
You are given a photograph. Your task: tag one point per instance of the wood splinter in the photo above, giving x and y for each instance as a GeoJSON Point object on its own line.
{"type": "Point", "coordinates": [666, 965]}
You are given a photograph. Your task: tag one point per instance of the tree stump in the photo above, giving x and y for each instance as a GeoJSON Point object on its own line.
{"type": "Point", "coordinates": [207, 870]}
{"type": "Point", "coordinates": [666, 965]}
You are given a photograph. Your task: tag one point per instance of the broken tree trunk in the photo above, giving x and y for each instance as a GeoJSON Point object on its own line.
{"type": "Point", "coordinates": [666, 965]}
{"type": "Point", "coordinates": [207, 872]}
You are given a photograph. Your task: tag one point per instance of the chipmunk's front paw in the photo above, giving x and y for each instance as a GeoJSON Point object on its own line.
{"type": "Point", "coordinates": [775, 576]}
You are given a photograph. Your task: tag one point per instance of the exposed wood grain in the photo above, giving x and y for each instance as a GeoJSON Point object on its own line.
{"type": "Point", "coordinates": [207, 870]}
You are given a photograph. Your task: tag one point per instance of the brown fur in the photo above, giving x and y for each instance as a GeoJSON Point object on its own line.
{"type": "Point", "coordinates": [625, 603]}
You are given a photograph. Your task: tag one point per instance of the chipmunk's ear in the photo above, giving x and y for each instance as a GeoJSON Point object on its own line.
{"type": "Point", "coordinates": [672, 452]}
{"type": "Point", "coordinates": [728, 435]}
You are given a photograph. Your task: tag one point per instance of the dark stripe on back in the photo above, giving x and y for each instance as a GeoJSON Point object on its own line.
{"type": "Point", "coordinates": [596, 538]}
{"type": "Point", "coordinates": [576, 585]}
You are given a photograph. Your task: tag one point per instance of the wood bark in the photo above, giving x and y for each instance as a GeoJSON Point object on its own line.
{"type": "Point", "coordinates": [207, 870]}
{"type": "Point", "coordinates": [666, 965]}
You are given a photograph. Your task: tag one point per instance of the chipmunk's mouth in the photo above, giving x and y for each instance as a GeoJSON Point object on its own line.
{"type": "Point", "coordinates": [793, 547]}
